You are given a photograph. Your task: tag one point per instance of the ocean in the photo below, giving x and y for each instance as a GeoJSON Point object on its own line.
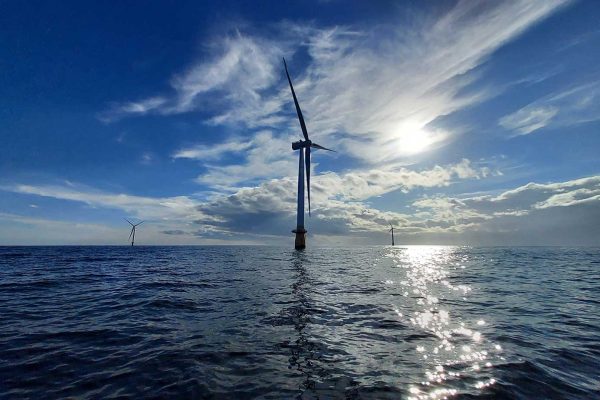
{"type": "Point", "coordinates": [403, 322]}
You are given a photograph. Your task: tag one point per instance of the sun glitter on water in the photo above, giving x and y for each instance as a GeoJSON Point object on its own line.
{"type": "Point", "coordinates": [459, 349]}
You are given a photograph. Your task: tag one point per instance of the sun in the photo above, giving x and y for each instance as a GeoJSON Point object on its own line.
{"type": "Point", "coordinates": [412, 137]}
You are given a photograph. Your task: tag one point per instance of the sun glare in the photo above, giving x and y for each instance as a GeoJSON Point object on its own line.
{"type": "Point", "coordinates": [414, 138]}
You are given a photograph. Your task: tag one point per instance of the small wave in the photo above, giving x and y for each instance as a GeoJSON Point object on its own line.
{"type": "Point", "coordinates": [179, 304]}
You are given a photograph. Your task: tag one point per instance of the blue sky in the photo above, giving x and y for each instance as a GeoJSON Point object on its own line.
{"type": "Point", "coordinates": [459, 122]}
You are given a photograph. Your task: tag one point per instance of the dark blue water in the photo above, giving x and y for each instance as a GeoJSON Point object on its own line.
{"type": "Point", "coordinates": [260, 322]}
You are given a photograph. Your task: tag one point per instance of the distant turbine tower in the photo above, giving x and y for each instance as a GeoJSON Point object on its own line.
{"type": "Point", "coordinates": [392, 230]}
{"type": "Point", "coordinates": [132, 233]}
{"type": "Point", "coordinates": [304, 147]}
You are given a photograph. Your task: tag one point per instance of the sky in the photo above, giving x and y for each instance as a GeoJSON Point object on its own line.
{"type": "Point", "coordinates": [459, 122]}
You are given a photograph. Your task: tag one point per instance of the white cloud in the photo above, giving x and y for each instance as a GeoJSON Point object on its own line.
{"type": "Point", "coordinates": [24, 230]}
{"type": "Point", "coordinates": [528, 119]}
{"type": "Point", "coordinates": [212, 152]}
{"type": "Point", "coordinates": [337, 201]}
{"type": "Point", "coordinates": [564, 108]}
{"type": "Point", "coordinates": [141, 107]}
{"type": "Point", "coordinates": [362, 185]}
{"type": "Point", "coordinates": [18, 230]}
{"type": "Point", "coordinates": [374, 98]}
{"type": "Point", "coordinates": [548, 213]}
{"type": "Point", "coordinates": [266, 156]}
{"type": "Point", "coordinates": [578, 196]}
{"type": "Point", "coordinates": [270, 204]}
{"type": "Point", "coordinates": [146, 158]}
{"type": "Point", "coordinates": [234, 72]}
{"type": "Point", "coordinates": [142, 207]}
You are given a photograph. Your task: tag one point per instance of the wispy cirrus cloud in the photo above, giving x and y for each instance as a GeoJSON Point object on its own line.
{"type": "Point", "coordinates": [375, 98]}
{"type": "Point", "coordinates": [205, 152]}
{"type": "Point", "coordinates": [165, 208]}
{"type": "Point", "coordinates": [573, 106]}
{"type": "Point", "coordinates": [264, 156]}
{"type": "Point", "coordinates": [141, 107]}
{"type": "Point", "coordinates": [233, 74]}
{"type": "Point", "coordinates": [529, 119]}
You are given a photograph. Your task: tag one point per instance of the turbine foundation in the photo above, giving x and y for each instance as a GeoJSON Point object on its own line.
{"type": "Point", "coordinates": [300, 242]}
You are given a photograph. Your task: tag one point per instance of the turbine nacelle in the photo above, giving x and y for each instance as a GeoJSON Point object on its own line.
{"type": "Point", "coordinates": [305, 144]}
{"type": "Point", "coordinates": [300, 144]}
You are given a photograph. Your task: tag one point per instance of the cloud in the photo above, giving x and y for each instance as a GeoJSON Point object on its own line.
{"type": "Point", "coordinates": [530, 214]}
{"type": "Point", "coordinates": [19, 230]}
{"type": "Point", "coordinates": [265, 156]}
{"type": "Point", "coordinates": [212, 152]}
{"type": "Point", "coordinates": [234, 72]}
{"type": "Point", "coordinates": [159, 208]}
{"type": "Point", "coordinates": [529, 119]}
{"type": "Point", "coordinates": [337, 200]}
{"type": "Point", "coordinates": [576, 105]}
{"type": "Point", "coordinates": [146, 158]}
{"type": "Point", "coordinates": [270, 207]}
{"type": "Point", "coordinates": [141, 107]}
{"type": "Point", "coordinates": [24, 230]}
{"type": "Point", "coordinates": [536, 213]}
{"type": "Point", "coordinates": [174, 232]}
{"type": "Point", "coordinates": [362, 185]}
{"type": "Point", "coordinates": [377, 99]}
{"type": "Point", "coordinates": [262, 156]}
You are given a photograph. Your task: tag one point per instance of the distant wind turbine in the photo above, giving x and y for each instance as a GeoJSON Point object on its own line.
{"type": "Point", "coordinates": [304, 147]}
{"type": "Point", "coordinates": [392, 230]}
{"type": "Point", "coordinates": [132, 233]}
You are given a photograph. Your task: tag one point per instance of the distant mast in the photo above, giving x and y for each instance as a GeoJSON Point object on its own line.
{"type": "Point", "coordinates": [392, 230]}
{"type": "Point", "coordinates": [303, 163]}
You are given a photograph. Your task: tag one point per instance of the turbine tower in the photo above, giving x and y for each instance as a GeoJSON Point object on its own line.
{"type": "Point", "coordinates": [303, 162]}
{"type": "Point", "coordinates": [392, 230]}
{"type": "Point", "coordinates": [132, 233]}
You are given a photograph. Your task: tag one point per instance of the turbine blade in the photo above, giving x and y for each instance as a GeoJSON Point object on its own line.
{"type": "Point", "coordinates": [307, 161]}
{"type": "Point", "coordinates": [300, 117]}
{"type": "Point", "coordinates": [130, 233]}
{"type": "Point", "coordinates": [128, 221]}
{"type": "Point", "coordinates": [318, 146]}
{"type": "Point", "coordinates": [139, 223]}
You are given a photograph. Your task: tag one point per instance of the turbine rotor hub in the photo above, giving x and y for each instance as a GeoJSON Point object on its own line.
{"type": "Point", "coordinates": [301, 144]}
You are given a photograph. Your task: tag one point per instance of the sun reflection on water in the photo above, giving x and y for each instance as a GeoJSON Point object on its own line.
{"type": "Point", "coordinates": [455, 355]}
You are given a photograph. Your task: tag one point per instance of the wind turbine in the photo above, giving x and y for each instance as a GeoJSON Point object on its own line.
{"type": "Point", "coordinates": [304, 147]}
{"type": "Point", "coordinates": [132, 233]}
{"type": "Point", "coordinates": [392, 230]}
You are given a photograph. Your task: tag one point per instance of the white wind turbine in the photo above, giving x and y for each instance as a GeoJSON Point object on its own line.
{"type": "Point", "coordinates": [304, 162]}
{"type": "Point", "coordinates": [392, 230]}
{"type": "Point", "coordinates": [132, 233]}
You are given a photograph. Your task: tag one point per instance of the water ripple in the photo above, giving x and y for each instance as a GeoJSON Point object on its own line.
{"type": "Point", "coordinates": [417, 322]}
